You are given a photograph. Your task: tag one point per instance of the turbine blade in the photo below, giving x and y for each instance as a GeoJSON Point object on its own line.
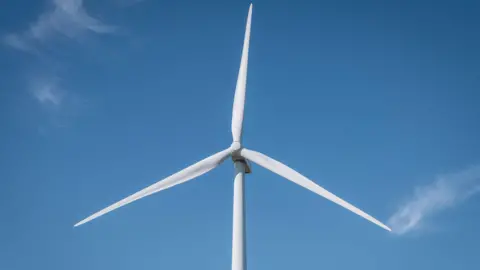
{"type": "Point", "coordinates": [292, 175]}
{"type": "Point", "coordinates": [180, 177]}
{"type": "Point", "coordinates": [239, 100]}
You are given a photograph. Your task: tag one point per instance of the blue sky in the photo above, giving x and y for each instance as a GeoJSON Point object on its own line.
{"type": "Point", "coordinates": [376, 102]}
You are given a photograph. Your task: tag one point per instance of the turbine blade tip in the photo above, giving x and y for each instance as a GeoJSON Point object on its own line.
{"type": "Point", "coordinates": [80, 223]}
{"type": "Point", "coordinates": [385, 227]}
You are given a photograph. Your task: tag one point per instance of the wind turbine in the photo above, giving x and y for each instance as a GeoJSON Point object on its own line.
{"type": "Point", "coordinates": [240, 155]}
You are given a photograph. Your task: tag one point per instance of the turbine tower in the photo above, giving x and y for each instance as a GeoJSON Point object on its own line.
{"type": "Point", "coordinates": [240, 155]}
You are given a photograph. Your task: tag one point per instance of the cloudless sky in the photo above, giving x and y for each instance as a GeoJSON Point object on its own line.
{"type": "Point", "coordinates": [367, 98]}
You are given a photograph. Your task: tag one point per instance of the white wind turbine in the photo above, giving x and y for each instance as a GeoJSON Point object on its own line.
{"type": "Point", "coordinates": [240, 156]}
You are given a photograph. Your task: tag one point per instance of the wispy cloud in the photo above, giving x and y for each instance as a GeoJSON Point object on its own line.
{"type": "Point", "coordinates": [445, 192]}
{"type": "Point", "coordinates": [62, 19]}
{"type": "Point", "coordinates": [46, 40]}
{"type": "Point", "coordinates": [60, 105]}
{"type": "Point", "coordinates": [17, 42]}
{"type": "Point", "coordinates": [46, 91]}
{"type": "Point", "coordinates": [65, 18]}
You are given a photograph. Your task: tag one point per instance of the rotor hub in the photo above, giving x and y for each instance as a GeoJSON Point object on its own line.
{"type": "Point", "coordinates": [235, 147]}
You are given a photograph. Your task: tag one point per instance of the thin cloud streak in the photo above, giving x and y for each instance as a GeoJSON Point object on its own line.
{"type": "Point", "coordinates": [67, 18]}
{"type": "Point", "coordinates": [63, 19]}
{"type": "Point", "coordinates": [46, 91]}
{"type": "Point", "coordinates": [445, 192]}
